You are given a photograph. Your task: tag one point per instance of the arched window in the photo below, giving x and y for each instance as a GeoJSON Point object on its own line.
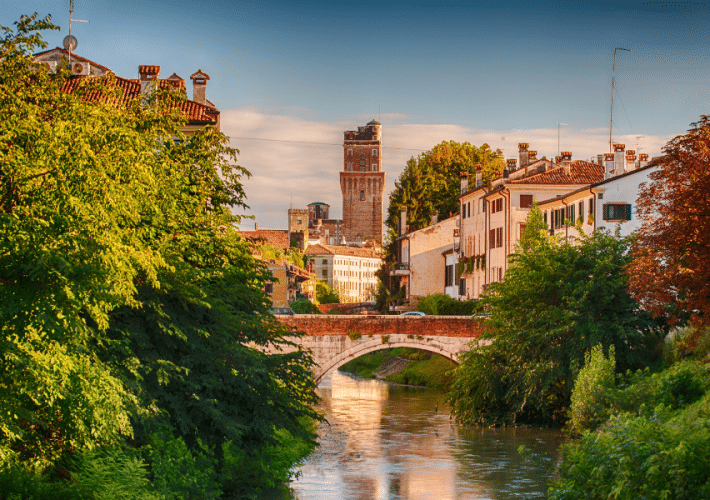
{"type": "Point", "coordinates": [362, 195]}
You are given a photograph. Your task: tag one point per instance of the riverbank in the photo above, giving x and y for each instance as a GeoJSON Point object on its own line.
{"type": "Point", "coordinates": [403, 366]}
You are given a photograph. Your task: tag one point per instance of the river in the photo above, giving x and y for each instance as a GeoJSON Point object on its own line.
{"type": "Point", "coordinates": [387, 442]}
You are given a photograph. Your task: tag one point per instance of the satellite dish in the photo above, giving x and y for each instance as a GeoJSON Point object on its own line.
{"type": "Point", "coordinates": [70, 43]}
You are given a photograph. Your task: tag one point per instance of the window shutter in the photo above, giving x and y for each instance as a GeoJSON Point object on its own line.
{"type": "Point", "coordinates": [492, 238]}
{"type": "Point", "coordinates": [628, 211]}
{"type": "Point", "coordinates": [605, 211]}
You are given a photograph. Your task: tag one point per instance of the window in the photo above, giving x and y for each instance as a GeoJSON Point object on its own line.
{"type": "Point", "coordinates": [362, 195]}
{"type": "Point", "coordinates": [350, 166]}
{"type": "Point", "coordinates": [483, 205]}
{"type": "Point", "coordinates": [616, 211]}
{"type": "Point", "coordinates": [469, 208]}
{"type": "Point", "coordinates": [374, 167]}
{"type": "Point", "coordinates": [526, 200]}
{"type": "Point", "coordinates": [500, 274]}
{"type": "Point", "coordinates": [449, 278]}
{"type": "Point", "coordinates": [496, 237]}
{"type": "Point", "coordinates": [374, 152]}
{"type": "Point", "coordinates": [269, 288]}
{"type": "Point", "coordinates": [299, 221]}
{"type": "Point", "coordinates": [492, 239]}
{"type": "Point", "coordinates": [324, 273]}
{"type": "Point", "coordinates": [462, 287]}
{"type": "Point", "coordinates": [591, 206]}
{"type": "Point", "coordinates": [544, 218]}
{"type": "Point", "coordinates": [581, 208]}
{"type": "Point", "coordinates": [350, 152]}
{"type": "Point", "coordinates": [600, 196]}
{"type": "Point", "coordinates": [569, 213]}
{"type": "Point", "coordinates": [463, 211]}
{"type": "Point", "coordinates": [497, 205]}
{"type": "Point", "coordinates": [499, 237]}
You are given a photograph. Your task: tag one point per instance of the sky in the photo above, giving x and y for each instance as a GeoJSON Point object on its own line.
{"type": "Point", "coordinates": [290, 77]}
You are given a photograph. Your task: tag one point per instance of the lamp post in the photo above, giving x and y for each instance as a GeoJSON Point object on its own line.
{"type": "Point", "coordinates": [558, 137]}
{"type": "Point", "coordinates": [613, 74]}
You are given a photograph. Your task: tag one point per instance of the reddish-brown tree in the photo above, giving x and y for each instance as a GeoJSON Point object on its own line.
{"type": "Point", "coordinates": [671, 270]}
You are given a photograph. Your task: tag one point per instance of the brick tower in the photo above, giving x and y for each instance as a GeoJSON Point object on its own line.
{"type": "Point", "coordinates": [362, 183]}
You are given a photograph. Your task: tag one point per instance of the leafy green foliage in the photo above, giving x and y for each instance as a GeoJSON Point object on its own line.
{"type": "Point", "coordinates": [656, 444]}
{"type": "Point", "coordinates": [431, 183]}
{"type": "Point", "coordinates": [441, 304]}
{"type": "Point", "coordinates": [592, 391]}
{"type": "Point", "coordinates": [324, 295]}
{"type": "Point", "coordinates": [558, 300]}
{"type": "Point", "coordinates": [304, 306]}
{"type": "Point", "coordinates": [127, 300]}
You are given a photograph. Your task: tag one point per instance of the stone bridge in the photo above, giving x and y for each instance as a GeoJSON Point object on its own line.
{"type": "Point", "coordinates": [337, 339]}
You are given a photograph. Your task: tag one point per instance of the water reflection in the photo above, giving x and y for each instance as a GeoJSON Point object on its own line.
{"type": "Point", "coordinates": [391, 442]}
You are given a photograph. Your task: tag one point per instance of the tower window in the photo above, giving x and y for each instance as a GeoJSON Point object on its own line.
{"type": "Point", "coordinates": [374, 152]}
{"type": "Point", "coordinates": [350, 166]}
{"type": "Point", "coordinates": [362, 195]}
{"type": "Point", "coordinates": [374, 167]}
{"type": "Point", "coordinates": [350, 152]}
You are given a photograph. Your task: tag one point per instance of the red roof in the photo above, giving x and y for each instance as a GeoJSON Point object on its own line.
{"type": "Point", "coordinates": [277, 238]}
{"type": "Point", "coordinates": [581, 172]}
{"type": "Point", "coordinates": [319, 249]}
{"type": "Point", "coordinates": [194, 112]}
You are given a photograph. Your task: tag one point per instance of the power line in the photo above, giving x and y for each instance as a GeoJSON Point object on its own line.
{"type": "Point", "coordinates": [316, 143]}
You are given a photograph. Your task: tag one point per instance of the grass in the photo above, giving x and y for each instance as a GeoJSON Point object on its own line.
{"type": "Point", "coordinates": [426, 369]}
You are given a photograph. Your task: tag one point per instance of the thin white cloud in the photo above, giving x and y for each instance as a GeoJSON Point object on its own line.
{"type": "Point", "coordinates": [295, 161]}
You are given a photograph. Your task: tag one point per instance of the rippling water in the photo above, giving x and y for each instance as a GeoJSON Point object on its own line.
{"type": "Point", "coordinates": [386, 442]}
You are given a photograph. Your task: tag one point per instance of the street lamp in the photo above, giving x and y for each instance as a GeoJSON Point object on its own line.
{"type": "Point", "coordinates": [613, 73]}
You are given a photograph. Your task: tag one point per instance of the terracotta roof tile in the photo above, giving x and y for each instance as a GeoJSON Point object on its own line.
{"type": "Point", "coordinates": [581, 172]}
{"type": "Point", "coordinates": [320, 249]}
{"type": "Point", "coordinates": [194, 112]}
{"type": "Point", "coordinates": [277, 238]}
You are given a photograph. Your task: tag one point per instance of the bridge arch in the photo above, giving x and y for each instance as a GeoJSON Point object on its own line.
{"type": "Point", "coordinates": [326, 368]}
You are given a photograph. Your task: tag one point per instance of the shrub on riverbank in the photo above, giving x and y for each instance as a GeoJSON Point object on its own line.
{"type": "Point", "coordinates": [652, 437]}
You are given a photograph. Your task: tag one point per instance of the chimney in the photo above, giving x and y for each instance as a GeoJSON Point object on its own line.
{"type": "Point", "coordinates": [479, 176]}
{"type": "Point", "coordinates": [532, 156]}
{"type": "Point", "coordinates": [608, 165]}
{"type": "Point", "coordinates": [512, 164]}
{"type": "Point", "coordinates": [619, 158]}
{"type": "Point", "coordinates": [434, 218]}
{"type": "Point", "coordinates": [600, 160]}
{"type": "Point", "coordinates": [256, 226]}
{"type": "Point", "coordinates": [199, 86]}
{"type": "Point", "coordinates": [464, 181]}
{"type": "Point", "coordinates": [149, 75]}
{"type": "Point", "coordinates": [523, 153]}
{"type": "Point", "coordinates": [176, 82]}
{"type": "Point", "coordinates": [643, 160]}
{"type": "Point", "coordinates": [558, 160]}
{"type": "Point", "coordinates": [630, 160]}
{"type": "Point", "coordinates": [566, 157]}
{"type": "Point", "coordinates": [403, 222]}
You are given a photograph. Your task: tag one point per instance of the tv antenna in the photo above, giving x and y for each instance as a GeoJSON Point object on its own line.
{"type": "Point", "coordinates": [613, 73]}
{"type": "Point", "coordinates": [558, 136]}
{"type": "Point", "coordinates": [70, 42]}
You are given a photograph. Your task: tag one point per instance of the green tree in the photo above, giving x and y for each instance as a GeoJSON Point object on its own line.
{"type": "Point", "coordinates": [127, 300]}
{"type": "Point", "coordinates": [558, 299]}
{"type": "Point", "coordinates": [430, 183]}
{"type": "Point", "coordinates": [324, 295]}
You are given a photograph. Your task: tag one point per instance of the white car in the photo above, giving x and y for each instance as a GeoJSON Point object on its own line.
{"type": "Point", "coordinates": [416, 314]}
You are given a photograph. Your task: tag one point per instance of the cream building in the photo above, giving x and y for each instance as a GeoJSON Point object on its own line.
{"type": "Point", "coordinates": [427, 258]}
{"type": "Point", "coordinates": [350, 271]}
{"type": "Point", "coordinates": [493, 215]}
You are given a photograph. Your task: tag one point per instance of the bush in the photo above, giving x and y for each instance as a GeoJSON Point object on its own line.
{"type": "Point", "coordinates": [592, 391]}
{"type": "Point", "coordinates": [304, 306]}
{"type": "Point", "coordinates": [440, 304]}
{"type": "Point", "coordinates": [659, 456]}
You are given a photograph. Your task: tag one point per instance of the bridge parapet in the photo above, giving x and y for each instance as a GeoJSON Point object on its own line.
{"type": "Point", "coordinates": [440, 326]}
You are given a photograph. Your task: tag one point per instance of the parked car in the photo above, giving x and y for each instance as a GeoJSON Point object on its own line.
{"type": "Point", "coordinates": [416, 314]}
{"type": "Point", "coordinates": [282, 310]}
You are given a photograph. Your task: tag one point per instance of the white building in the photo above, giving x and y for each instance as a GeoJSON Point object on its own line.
{"type": "Point", "coordinates": [349, 271]}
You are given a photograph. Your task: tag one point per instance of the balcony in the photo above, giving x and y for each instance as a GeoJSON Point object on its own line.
{"type": "Point", "coordinates": [400, 270]}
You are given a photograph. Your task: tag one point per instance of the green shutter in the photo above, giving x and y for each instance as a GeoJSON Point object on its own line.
{"type": "Point", "coordinates": [628, 212]}
{"type": "Point", "coordinates": [605, 211]}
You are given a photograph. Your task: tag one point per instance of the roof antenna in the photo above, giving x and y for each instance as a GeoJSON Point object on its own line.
{"type": "Point", "coordinates": [379, 113]}
{"type": "Point", "coordinates": [70, 42]}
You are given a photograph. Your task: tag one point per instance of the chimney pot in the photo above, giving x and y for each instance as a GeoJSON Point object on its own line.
{"type": "Point", "coordinates": [199, 86]}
